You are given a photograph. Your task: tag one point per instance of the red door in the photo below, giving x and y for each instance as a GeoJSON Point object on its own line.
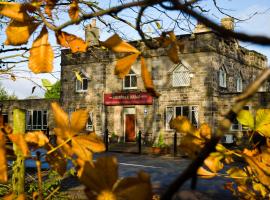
{"type": "Point", "coordinates": [130, 128]}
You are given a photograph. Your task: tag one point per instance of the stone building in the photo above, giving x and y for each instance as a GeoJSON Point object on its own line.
{"type": "Point", "coordinates": [212, 72]}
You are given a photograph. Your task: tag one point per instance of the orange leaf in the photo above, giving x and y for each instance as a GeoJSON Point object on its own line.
{"type": "Point", "coordinates": [3, 161]}
{"type": "Point", "coordinates": [73, 42]}
{"type": "Point", "coordinates": [21, 29]}
{"type": "Point", "coordinates": [41, 54]}
{"type": "Point", "coordinates": [14, 11]}
{"type": "Point", "coordinates": [19, 141]}
{"type": "Point", "coordinates": [38, 138]}
{"type": "Point", "coordinates": [116, 44]}
{"type": "Point", "coordinates": [213, 162]}
{"type": "Point", "coordinates": [50, 4]}
{"type": "Point", "coordinates": [205, 131]}
{"type": "Point", "coordinates": [73, 10]}
{"type": "Point", "coordinates": [60, 117]}
{"type": "Point", "coordinates": [182, 125]}
{"type": "Point", "coordinates": [78, 120]}
{"type": "Point", "coordinates": [123, 65]}
{"type": "Point", "coordinates": [173, 53]}
{"type": "Point", "coordinates": [205, 173]}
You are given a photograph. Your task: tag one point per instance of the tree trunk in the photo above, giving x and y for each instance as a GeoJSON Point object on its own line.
{"type": "Point", "coordinates": [18, 165]}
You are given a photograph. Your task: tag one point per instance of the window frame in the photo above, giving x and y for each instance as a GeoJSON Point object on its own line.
{"type": "Point", "coordinates": [130, 74]}
{"type": "Point", "coordinates": [90, 127]}
{"type": "Point", "coordinates": [191, 108]}
{"type": "Point", "coordinates": [81, 83]}
{"type": "Point", "coordinates": [222, 78]}
{"type": "Point", "coordinates": [179, 74]}
{"type": "Point", "coordinates": [239, 84]}
{"type": "Point", "coordinates": [30, 126]}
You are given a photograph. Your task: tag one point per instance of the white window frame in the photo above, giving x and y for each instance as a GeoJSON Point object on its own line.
{"type": "Point", "coordinates": [130, 74]}
{"type": "Point", "coordinates": [222, 78]}
{"type": "Point", "coordinates": [30, 120]}
{"type": "Point", "coordinates": [81, 84]}
{"type": "Point", "coordinates": [192, 109]}
{"type": "Point", "coordinates": [239, 84]}
{"type": "Point", "coordinates": [263, 88]}
{"type": "Point", "coordinates": [90, 124]}
{"type": "Point", "coordinates": [178, 73]}
{"type": "Point", "coordinates": [238, 125]}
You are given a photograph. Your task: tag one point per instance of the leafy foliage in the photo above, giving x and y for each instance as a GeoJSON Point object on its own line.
{"type": "Point", "coordinates": [5, 96]}
{"type": "Point", "coordinates": [54, 91]}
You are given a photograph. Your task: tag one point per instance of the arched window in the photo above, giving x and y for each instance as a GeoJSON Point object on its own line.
{"type": "Point", "coordinates": [222, 76]}
{"type": "Point", "coordinates": [239, 84]}
{"type": "Point", "coordinates": [181, 76]}
{"type": "Point", "coordinates": [130, 80]}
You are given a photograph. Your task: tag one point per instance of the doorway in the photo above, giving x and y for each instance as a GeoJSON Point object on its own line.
{"type": "Point", "coordinates": [130, 124]}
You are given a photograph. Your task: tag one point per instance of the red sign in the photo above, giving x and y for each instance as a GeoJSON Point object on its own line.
{"type": "Point", "coordinates": [133, 98]}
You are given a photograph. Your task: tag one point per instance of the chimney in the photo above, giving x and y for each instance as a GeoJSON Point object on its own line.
{"type": "Point", "coordinates": [92, 34]}
{"type": "Point", "coordinates": [228, 23]}
{"type": "Point", "coordinates": [201, 28]}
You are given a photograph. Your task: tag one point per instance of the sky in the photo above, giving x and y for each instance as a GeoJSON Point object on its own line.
{"type": "Point", "coordinates": [242, 9]}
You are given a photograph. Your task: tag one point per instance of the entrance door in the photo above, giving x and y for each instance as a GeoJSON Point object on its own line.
{"type": "Point", "coordinates": [130, 128]}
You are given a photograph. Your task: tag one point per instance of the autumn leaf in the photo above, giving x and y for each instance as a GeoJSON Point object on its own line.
{"type": "Point", "coordinates": [238, 174]}
{"type": "Point", "coordinates": [13, 77]}
{"type": "Point", "coordinates": [36, 138]}
{"type": "Point", "coordinates": [3, 161]}
{"type": "Point", "coordinates": [173, 53]}
{"type": "Point", "coordinates": [71, 41]}
{"type": "Point", "coordinates": [191, 145]}
{"type": "Point", "coordinates": [21, 29]}
{"type": "Point", "coordinates": [50, 4]}
{"type": "Point", "coordinates": [213, 162]}
{"type": "Point", "coordinates": [205, 173]}
{"type": "Point", "coordinates": [263, 122]}
{"type": "Point", "coordinates": [260, 188]}
{"type": "Point", "coordinates": [182, 125]}
{"type": "Point", "coordinates": [123, 65]}
{"type": "Point", "coordinates": [57, 162]}
{"type": "Point", "coordinates": [116, 44]}
{"type": "Point", "coordinates": [78, 120]}
{"type": "Point", "coordinates": [15, 11]}
{"type": "Point", "coordinates": [74, 10]}
{"type": "Point", "coordinates": [78, 76]}
{"type": "Point", "coordinates": [41, 54]}
{"type": "Point", "coordinates": [205, 131]}
{"type": "Point", "coordinates": [19, 141]}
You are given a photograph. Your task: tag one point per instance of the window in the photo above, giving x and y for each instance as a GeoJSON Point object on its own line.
{"type": "Point", "coordinates": [236, 126]}
{"type": "Point", "coordinates": [130, 81]}
{"type": "Point", "coordinates": [181, 76]}
{"type": "Point", "coordinates": [263, 88]}
{"type": "Point", "coordinates": [191, 112]}
{"type": "Point", "coordinates": [36, 120]}
{"type": "Point", "coordinates": [89, 125]}
{"type": "Point", "coordinates": [239, 84]}
{"type": "Point", "coordinates": [222, 78]}
{"type": "Point", "coordinates": [81, 86]}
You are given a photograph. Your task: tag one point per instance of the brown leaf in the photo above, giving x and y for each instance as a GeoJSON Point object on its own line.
{"type": "Point", "coordinates": [74, 10]}
{"type": "Point", "coordinates": [12, 77]}
{"type": "Point", "coordinates": [173, 53]}
{"type": "Point", "coordinates": [3, 161]}
{"type": "Point", "coordinates": [191, 145]}
{"type": "Point", "coordinates": [182, 125]}
{"type": "Point", "coordinates": [14, 11]}
{"type": "Point", "coordinates": [18, 33]}
{"type": "Point", "coordinates": [50, 4]}
{"type": "Point", "coordinates": [19, 141]}
{"type": "Point", "coordinates": [205, 131]}
{"type": "Point", "coordinates": [84, 145]}
{"type": "Point", "coordinates": [57, 162]}
{"type": "Point", "coordinates": [41, 54]}
{"type": "Point", "coordinates": [37, 138]}
{"type": "Point", "coordinates": [71, 41]}
{"type": "Point", "coordinates": [116, 44]}
{"type": "Point", "coordinates": [78, 120]}
{"type": "Point", "coordinates": [123, 65]}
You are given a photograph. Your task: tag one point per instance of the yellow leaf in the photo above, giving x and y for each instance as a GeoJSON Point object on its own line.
{"type": "Point", "coordinates": [73, 10]}
{"type": "Point", "coordinates": [123, 65]}
{"type": "Point", "coordinates": [263, 122]}
{"type": "Point", "coordinates": [158, 25]}
{"type": "Point", "coordinates": [191, 145]}
{"type": "Point", "coordinates": [19, 141]}
{"type": "Point", "coordinates": [71, 41]}
{"type": "Point", "coordinates": [78, 120]}
{"type": "Point", "coordinates": [182, 125]}
{"type": "Point", "coordinates": [21, 29]}
{"type": "Point", "coordinates": [205, 173]}
{"type": "Point", "coordinates": [50, 4]}
{"type": "Point", "coordinates": [116, 44]}
{"type": "Point", "coordinates": [14, 11]}
{"type": "Point", "coordinates": [260, 188]}
{"type": "Point", "coordinates": [173, 53]}
{"type": "Point", "coordinates": [37, 138]}
{"type": "Point", "coordinates": [239, 175]}
{"type": "Point", "coordinates": [244, 117]}
{"type": "Point", "coordinates": [78, 76]}
{"type": "Point", "coordinates": [3, 161]}
{"type": "Point", "coordinates": [213, 162]}
{"type": "Point", "coordinates": [60, 117]}
{"type": "Point", "coordinates": [41, 54]}
{"type": "Point", "coordinates": [205, 131]}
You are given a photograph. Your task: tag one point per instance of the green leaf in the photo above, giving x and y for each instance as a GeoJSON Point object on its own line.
{"type": "Point", "coordinates": [46, 83]}
{"type": "Point", "coordinates": [245, 118]}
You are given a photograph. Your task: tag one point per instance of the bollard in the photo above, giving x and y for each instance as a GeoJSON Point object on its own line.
{"type": "Point", "coordinates": [140, 142]}
{"type": "Point", "coordinates": [175, 144]}
{"type": "Point", "coordinates": [106, 138]}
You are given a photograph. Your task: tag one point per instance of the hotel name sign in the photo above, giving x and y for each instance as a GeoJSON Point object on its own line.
{"type": "Point", "coordinates": [132, 98]}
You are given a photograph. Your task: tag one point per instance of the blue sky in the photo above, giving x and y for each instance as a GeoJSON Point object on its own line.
{"type": "Point", "coordinates": [242, 9]}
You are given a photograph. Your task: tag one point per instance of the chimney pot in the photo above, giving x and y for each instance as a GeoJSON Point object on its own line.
{"type": "Point", "coordinates": [92, 34]}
